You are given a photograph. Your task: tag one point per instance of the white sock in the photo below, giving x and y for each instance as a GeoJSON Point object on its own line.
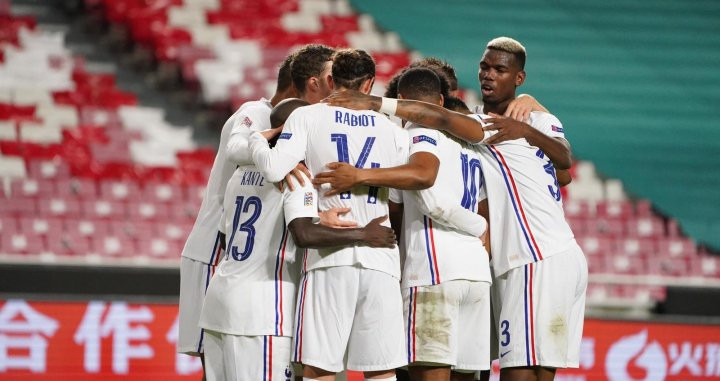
{"type": "Point", "coordinates": [391, 378]}
{"type": "Point", "coordinates": [308, 379]}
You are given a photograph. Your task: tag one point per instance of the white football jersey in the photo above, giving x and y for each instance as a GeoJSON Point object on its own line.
{"type": "Point", "coordinates": [435, 253]}
{"type": "Point", "coordinates": [527, 221]}
{"type": "Point", "coordinates": [200, 243]}
{"type": "Point", "coordinates": [254, 287]}
{"type": "Point", "coordinates": [321, 134]}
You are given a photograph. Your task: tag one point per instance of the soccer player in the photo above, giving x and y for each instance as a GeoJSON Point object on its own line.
{"type": "Point", "coordinates": [535, 256]}
{"type": "Point", "coordinates": [203, 248]}
{"type": "Point", "coordinates": [350, 301]}
{"type": "Point", "coordinates": [446, 275]}
{"type": "Point", "coordinates": [248, 309]}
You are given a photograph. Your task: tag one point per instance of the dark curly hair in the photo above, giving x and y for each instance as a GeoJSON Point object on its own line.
{"type": "Point", "coordinates": [309, 62]}
{"type": "Point", "coordinates": [352, 67]}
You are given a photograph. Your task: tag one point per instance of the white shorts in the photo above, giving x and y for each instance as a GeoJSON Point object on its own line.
{"type": "Point", "coordinates": [349, 309]}
{"type": "Point", "coordinates": [539, 311]}
{"type": "Point", "coordinates": [194, 279]}
{"type": "Point", "coordinates": [449, 323]}
{"type": "Point", "coordinates": [251, 358]}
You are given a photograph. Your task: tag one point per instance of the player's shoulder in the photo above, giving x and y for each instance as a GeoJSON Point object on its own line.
{"type": "Point", "coordinates": [260, 104]}
{"type": "Point", "coordinates": [541, 117]}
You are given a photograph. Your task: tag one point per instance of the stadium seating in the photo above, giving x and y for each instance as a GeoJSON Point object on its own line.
{"type": "Point", "coordinates": [612, 79]}
{"type": "Point", "coordinates": [87, 172]}
{"type": "Point", "coordinates": [91, 175]}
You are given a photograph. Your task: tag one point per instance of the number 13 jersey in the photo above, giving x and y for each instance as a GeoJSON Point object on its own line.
{"type": "Point", "coordinates": [527, 221]}
{"type": "Point", "coordinates": [253, 289]}
{"type": "Point", "coordinates": [322, 134]}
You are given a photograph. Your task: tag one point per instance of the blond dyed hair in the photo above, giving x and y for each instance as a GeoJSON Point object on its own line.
{"type": "Point", "coordinates": [509, 45]}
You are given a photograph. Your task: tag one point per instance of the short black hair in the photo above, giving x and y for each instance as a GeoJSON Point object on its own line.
{"type": "Point", "coordinates": [284, 80]}
{"type": "Point", "coordinates": [352, 67]}
{"type": "Point", "coordinates": [419, 82]}
{"type": "Point", "coordinates": [456, 104]}
{"type": "Point", "coordinates": [283, 109]}
{"type": "Point", "coordinates": [309, 62]}
{"type": "Point", "coordinates": [440, 66]}
{"type": "Point", "coordinates": [391, 90]}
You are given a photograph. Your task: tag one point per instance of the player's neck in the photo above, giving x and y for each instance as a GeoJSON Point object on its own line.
{"type": "Point", "coordinates": [497, 108]}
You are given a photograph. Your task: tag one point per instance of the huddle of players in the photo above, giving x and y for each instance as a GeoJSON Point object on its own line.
{"type": "Point", "coordinates": [335, 296]}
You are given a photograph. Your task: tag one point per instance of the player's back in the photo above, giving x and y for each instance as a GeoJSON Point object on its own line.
{"type": "Point", "coordinates": [364, 139]}
{"type": "Point", "coordinates": [525, 202]}
{"type": "Point", "coordinates": [436, 253]}
{"type": "Point", "coordinates": [255, 285]}
{"type": "Point", "coordinates": [199, 243]}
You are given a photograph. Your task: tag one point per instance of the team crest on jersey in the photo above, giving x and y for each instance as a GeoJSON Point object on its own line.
{"type": "Point", "coordinates": [285, 135]}
{"type": "Point", "coordinates": [423, 138]}
{"type": "Point", "coordinates": [308, 198]}
{"type": "Point", "coordinates": [247, 122]}
{"type": "Point", "coordinates": [557, 128]}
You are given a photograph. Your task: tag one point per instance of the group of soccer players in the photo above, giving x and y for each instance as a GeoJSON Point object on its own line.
{"type": "Point", "coordinates": [293, 266]}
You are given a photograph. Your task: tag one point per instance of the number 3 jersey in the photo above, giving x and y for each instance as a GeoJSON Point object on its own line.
{"type": "Point", "coordinates": [435, 253]}
{"type": "Point", "coordinates": [527, 221]}
{"type": "Point", "coordinates": [321, 134]}
{"type": "Point", "coordinates": [254, 287]}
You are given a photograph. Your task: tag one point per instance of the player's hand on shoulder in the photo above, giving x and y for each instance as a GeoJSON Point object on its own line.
{"type": "Point", "coordinates": [521, 107]}
{"type": "Point", "coordinates": [351, 99]}
{"type": "Point", "coordinates": [376, 235]}
{"type": "Point", "coordinates": [331, 218]}
{"type": "Point", "coordinates": [296, 175]}
{"type": "Point", "coordinates": [341, 177]}
{"type": "Point", "coordinates": [507, 129]}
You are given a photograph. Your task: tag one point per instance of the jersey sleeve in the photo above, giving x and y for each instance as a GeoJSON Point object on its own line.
{"type": "Point", "coordinates": [396, 196]}
{"type": "Point", "coordinates": [301, 202]}
{"type": "Point", "coordinates": [449, 213]}
{"type": "Point", "coordinates": [290, 149]}
{"type": "Point", "coordinates": [244, 123]}
{"type": "Point", "coordinates": [548, 124]}
{"type": "Point", "coordinates": [423, 140]}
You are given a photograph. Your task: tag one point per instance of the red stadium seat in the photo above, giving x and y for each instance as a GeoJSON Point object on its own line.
{"type": "Point", "coordinates": [18, 206]}
{"type": "Point", "coordinates": [86, 227]}
{"type": "Point", "coordinates": [32, 188]}
{"type": "Point", "coordinates": [579, 208]}
{"type": "Point", "coordinates": [676, 247]}
{"type": "Point", "coordinates": [636, 246]}
{"type": "Point", "coordinates": [147, 211]}
{"type": "Point", "coordinates": [104, 209]}
{"type": "Point", "coordinates": [20, 243]}
{"type": "Point", "coordinates": [606, 227]}
{"type": "Point", "coordinates": [8, 224]}
{"type": "Point", "coordinates": [615, 209]}
{"type": "Point", "coordinates": [119, 191]}
{"type": "Point", "coordinates": [69, 244]}
{"type": "Point", "coordinates": [650, 227]}
{"type": "Point", "coordinates": [59, 207]}
{"type": "Point", "coordinates": [623, 264]}
{"type": "Point", "coordinates": [48, 169]}
{"type": "Point", "coordinates": [39, 226]}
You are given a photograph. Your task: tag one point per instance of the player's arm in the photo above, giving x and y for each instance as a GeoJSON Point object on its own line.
{"type": "Point", "coordinates": [563, 177]}
{"type": "Point", "coordinates": [555, 147]}
{"type": "Point", "coordinates": [243, 125]}
{"type": "Point", "coordinates": [446, 212]}
{"type": "Point", "coordinates": [308, 234]}
{"type": "Point", "coordinates": [484, 210]}
{"type": "Point", "coordinates": [422, 113]}
{"type": "Point", "coordinates": [419, 173]}
{"type": "Point", "coordinates": [277, 162]}
{"type": "Point", "coordinates": [396, 207]}
{"type": "Point", "coordinates": [521, 107]}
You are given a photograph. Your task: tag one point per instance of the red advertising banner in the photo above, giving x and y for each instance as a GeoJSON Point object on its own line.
{"type": "Point", "coordinates": [100, 340]}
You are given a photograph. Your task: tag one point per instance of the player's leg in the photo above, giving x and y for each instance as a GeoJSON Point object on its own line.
{"type": "Point", "coordinates": [377, 345]}
{"type": "Point", "coordinates": [325, 309]}
{"type": "Point", "coordinates": [473, 333]}
{"type": "Point", "coordinates": [551, 293]}
{"type": "Point", "coordinates": [194, 277]}
{"type": "Point", "coordinates": [431, 325]}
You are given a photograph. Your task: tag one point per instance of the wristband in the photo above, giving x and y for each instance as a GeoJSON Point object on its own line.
{"type": "Point", "coordinates": [388, 106]}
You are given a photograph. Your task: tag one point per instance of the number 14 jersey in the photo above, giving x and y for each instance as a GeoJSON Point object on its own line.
{"type": "Point", "coordinates": [527, 221]}
{"type": "Point", "coordinates": [321, 134]}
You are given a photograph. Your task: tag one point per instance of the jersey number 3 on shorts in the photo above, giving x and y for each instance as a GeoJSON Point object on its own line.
{"type": "Point", "coordinates": [341, 141]}
{"type": "Point", "coordinates": [243, 206]}
{"type": "Point", "coordinates": [505, 335]}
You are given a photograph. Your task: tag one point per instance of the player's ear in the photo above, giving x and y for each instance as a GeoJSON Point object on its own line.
{"type": "Point", "coordinates": [520, 78]}
{"type": "Point", "coordinates": [367, 85]}
{"type": "Point", "coordinates": [330, 82]}
{"type": "Point", "coordinates": [441, 100]}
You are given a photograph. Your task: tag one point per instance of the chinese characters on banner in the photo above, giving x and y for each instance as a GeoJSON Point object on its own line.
{"type": "Point", "coordinates": [100, 340]}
